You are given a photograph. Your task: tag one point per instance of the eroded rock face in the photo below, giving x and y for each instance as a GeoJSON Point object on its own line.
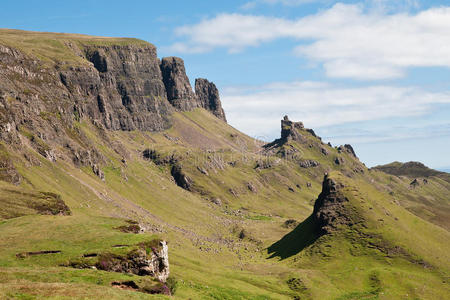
{"type": "Point", "coordinates": [181, 179]}
{"type": "Point", "coordinates": [116, 87]}
{"type": "Point", "coordinates": [308, 163]}
{"type": "Point", "coordinates": [347, 148]}
{"type": "Point", "coordinates": [178, 88]}
{"type": "Point", "coordinates": [329, 209]}
{"type": "Point", "coordinates": [139, 262]}
{"type": "Point", "coordinates": [288, 130]}
{"type": "Point", "coordinates": [124, 88]}
{"type": "Point", "coordinates": [208, 97]}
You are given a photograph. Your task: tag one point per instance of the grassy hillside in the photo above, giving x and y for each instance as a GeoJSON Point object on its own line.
{"type": "Point", "coordinates": [243, 219]}
{"type": "Point", "coordinates": [50, 48]}
{"type": "Point", "coordinates": [411, 169]}
{"type": "Point", "coordinates": [223, 231]}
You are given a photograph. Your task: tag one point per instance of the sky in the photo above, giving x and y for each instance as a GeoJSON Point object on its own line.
{"type": "Point", "coordinates": [372, 73]}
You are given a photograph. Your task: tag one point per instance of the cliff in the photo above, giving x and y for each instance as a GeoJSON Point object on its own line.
{"type": "Point", "coordinates": [48, 87]}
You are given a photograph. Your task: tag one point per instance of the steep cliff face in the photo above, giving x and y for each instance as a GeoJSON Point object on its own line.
{"type": "Point", "coordinates": [178, 88]}
{"type": "Point", "coordinates": [288, 130]}
{"type": "Point", "coordinates": [208, 97]}
{"type": "Point", "coordinates": [330, 208]}
{"type": "Point", "coordinates": [117, 85]}
{"type": "Point", "coordinates": [123, 88]}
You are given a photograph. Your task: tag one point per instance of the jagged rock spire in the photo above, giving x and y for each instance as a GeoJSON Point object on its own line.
{"type": "Point", "coordinates": [208, 97]}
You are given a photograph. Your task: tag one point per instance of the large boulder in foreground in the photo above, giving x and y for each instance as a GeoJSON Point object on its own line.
{"type": "Point", "coordinates": [150, 258]}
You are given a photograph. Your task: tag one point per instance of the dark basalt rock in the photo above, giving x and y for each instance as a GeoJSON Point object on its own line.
{"type": "Point", "coordinates": [329, 208]}
{"type": "Point", "coordinates": [339, 161]}
{"type": "Point", "coordinates": [178, 88]}
{"type": "Point", "coordinates": [117, 87]}
{"type": "Point", "coordinates": [208, 97]}
{"type": "Point", "coordinates": [288, 130]}
{"type": "Point", "coordinates": [309, 163]}
{"type": "Point", "coordinates": [347, 148]}
{"type": "Point", "coordinates": [181, 179]}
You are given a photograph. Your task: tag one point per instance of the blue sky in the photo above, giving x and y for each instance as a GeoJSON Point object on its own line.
{"type": "Point", "coordinates": [373, 73]}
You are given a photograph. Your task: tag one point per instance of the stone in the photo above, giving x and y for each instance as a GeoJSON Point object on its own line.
{"type": "Point", "coordinates": [251, 187]}
{"type": "Point", "coordinates": [290, 223]}
{"type": "Point", "coordinates": [202, 170]}
{"type": "Point", "coordinates": [216, 201]}
{"type": "Point", "coordinates": [339, 161]}
{"type": "Point", "coordinates": [178, 88]}
{"type": "Point", "coordinates": [309, 163]}
{"type": "Point", "coordinates": [98, 172]}
{"type": "Point", "coordinates": [348, 149]}
{"type": "Point", "coordinates": [208, 97]}
{"type": "Point", "coordinates": [415, 183]}
{"type": "Point", "coordinates": [181, 179]}
{"type": "Point", "coordinates": [288, 130]}
{"type": "Point", "coordinates": [155, 263]}
{"type": "Point", "coordinates": [330, 207]}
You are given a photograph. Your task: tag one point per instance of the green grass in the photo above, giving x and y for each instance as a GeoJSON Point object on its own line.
{"type": "Point", "coordinates": [207, 257]}
{"type": "Point", "coordinates": [50, 48]}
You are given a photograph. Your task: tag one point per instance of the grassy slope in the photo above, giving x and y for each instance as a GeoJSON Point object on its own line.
{"type": "Point", "coordinates": [362, 261]}
{"type": "Point", "coordinates": [50, 48]}
{"type": "Point", "coordinates": [201, 234]}
{"type": "Point", "coordinates": [206, 253]}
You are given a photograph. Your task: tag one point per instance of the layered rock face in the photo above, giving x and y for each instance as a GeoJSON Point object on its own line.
{"type": "Point", "coordinates": [119, 86]}
{"type": "Point", "coordinates": [288, 131]}
{"type": "Point", "coordinates": [332, 209]}
{"type": "Point", "coordinates": [208, 97]}
{"type": "Point", "coordinates": [178, 88]}
{"type": "Point", "coordinates": [139, 262]}
{"type": "Point", "coordinates": [124, 90]}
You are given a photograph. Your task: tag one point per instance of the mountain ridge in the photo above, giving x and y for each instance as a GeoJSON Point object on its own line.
{"type": "Point", "coordinates": [83, 184]}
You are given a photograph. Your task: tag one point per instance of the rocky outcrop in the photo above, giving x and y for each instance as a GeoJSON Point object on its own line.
{"type": "Point", "coordinates": [8, 172]}
{"type": "Point", "coordinates": [348, 149]}
{"type": "Point", "coordinates": [149, 259]}
{"type": "Point", "coordinates": [123, 86]}
{"type": "Point", "coordinates": [178, 89]}
{"type": "Point", "coordinates": [181, 179]}
{"type": "Point", "coordinates": [330, 209]}
{"type": "Point", "coordinates": [309, 163]}
{"type": "Point", "coordinates": [288, 130]}
{"type": "Point", "coordinates": [116, 86]}
{"type": "Point", "coordinates": [208, 97]}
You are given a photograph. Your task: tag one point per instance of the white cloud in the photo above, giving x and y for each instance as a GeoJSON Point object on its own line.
{"type": "Point", "coordinates": [253, 4]}
{"type": "Point", "coordinates": [257, 110]}
{"type": "Point", "coordinates": [349, 41]}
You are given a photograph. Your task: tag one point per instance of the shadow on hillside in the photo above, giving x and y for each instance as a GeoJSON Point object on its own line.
{"type": "Point", "coordinates": [295, 241]}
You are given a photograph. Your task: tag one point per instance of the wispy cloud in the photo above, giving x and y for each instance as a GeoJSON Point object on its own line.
{"type": "Point", "coordinates": [254, 3]}
{"type": "Point", "coordinates": [348, 40]}
{"type": "Point", "coordinates": [257, 110]}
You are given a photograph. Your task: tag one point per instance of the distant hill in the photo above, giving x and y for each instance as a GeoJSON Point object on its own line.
{"type": "Point", "coordinates": [411, 169]}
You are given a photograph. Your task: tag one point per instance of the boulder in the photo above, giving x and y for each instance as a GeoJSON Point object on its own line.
{"type": "Point", "coordinates": [309, 163]}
